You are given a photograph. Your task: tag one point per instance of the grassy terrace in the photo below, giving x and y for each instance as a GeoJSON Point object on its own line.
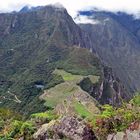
{"type": "Point", "coordinates": [68, 77]}
{"type": "Point", "coordinates": [75, 78]}
{"type": "Point", "coordinates": [71, 93]}
{"type": "Point", "coordinates": [82, 110]}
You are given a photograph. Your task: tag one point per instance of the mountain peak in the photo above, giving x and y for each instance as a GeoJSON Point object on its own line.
{"type": "Point", "coordinates": [25, 9]}
{"type": "Point", "coordinates": [56, 6]}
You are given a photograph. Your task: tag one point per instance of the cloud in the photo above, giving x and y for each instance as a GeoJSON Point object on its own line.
{"type": "Point", "coordinates": [86, 20]}
{"type": "Point", "coordinates": [129, 6]}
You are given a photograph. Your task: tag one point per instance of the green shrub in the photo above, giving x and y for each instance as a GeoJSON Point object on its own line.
{"type": "Point", "coordinates": [44, 116]}
{"type": "Point", "coordinates": [136, 100]}
{"type": "Point", "coordinates": [117, 119]}
{"type": "Point", "coordinates": [27, 128]}
{"type": "Point", "coordinates": [108, 111]}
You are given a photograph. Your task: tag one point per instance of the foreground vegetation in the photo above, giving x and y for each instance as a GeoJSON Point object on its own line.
{"type": "Point", "coordinates": [110, 120]}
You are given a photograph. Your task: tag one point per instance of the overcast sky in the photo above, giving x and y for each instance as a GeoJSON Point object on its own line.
{"type": "Point", "coordinates": [130, 6]}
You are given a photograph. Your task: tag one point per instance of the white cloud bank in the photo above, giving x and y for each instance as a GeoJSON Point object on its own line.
{"type": "Point", "coordinates": [86, 20]}
{"type": "Point", "coordinates": [130, 6]}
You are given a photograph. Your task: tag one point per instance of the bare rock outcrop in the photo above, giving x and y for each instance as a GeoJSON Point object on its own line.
{"type": "Point", "coordinates": [67, 127]}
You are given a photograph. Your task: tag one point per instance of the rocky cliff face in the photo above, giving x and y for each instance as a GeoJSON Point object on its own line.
{"type": "Point", "coordinates": [67, 127]}
{"type": "Point", "coordinates": [116, 43]}
{"type": "Point", "coordinates": [109, 90]}
{"type": "Point", "coordinates": [43, 22]}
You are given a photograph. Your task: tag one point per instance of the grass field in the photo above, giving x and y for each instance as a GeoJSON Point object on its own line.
{"type": "Point", "coordinates": [68, 76]}
{"type": "Point", "coordinates": [75, 78]}
{"type": "Point", "coordinates": [70, 92]}
{"type": "Point", "coordinates": [82, 110]}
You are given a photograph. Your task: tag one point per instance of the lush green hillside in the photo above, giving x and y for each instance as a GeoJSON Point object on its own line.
{"type": "Point", "coordinates": [32, 46]}
{"type": "Point", "coordinates": [24, 84]}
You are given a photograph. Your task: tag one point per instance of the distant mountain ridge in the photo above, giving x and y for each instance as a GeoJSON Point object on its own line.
{"type": "Point", "coordinates": [29, 9]}
{"type": "Point", "coordinates": [115, 38]}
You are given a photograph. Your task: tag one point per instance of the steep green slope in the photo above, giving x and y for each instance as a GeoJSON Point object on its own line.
{"type": "Point", "coordinates": [32, 45]}
{"type": "Point", "coordinates": [35, 43]}
{"type": "Point", "coordinates": [24, 85]}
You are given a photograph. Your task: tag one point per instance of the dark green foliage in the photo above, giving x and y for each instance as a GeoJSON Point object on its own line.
{"type": "Point", "coordinates": [86, 84]}
{"type": "Point", "coordinates": [13, 126]}
{"type": "Point", "coordinates": [18, 129]}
